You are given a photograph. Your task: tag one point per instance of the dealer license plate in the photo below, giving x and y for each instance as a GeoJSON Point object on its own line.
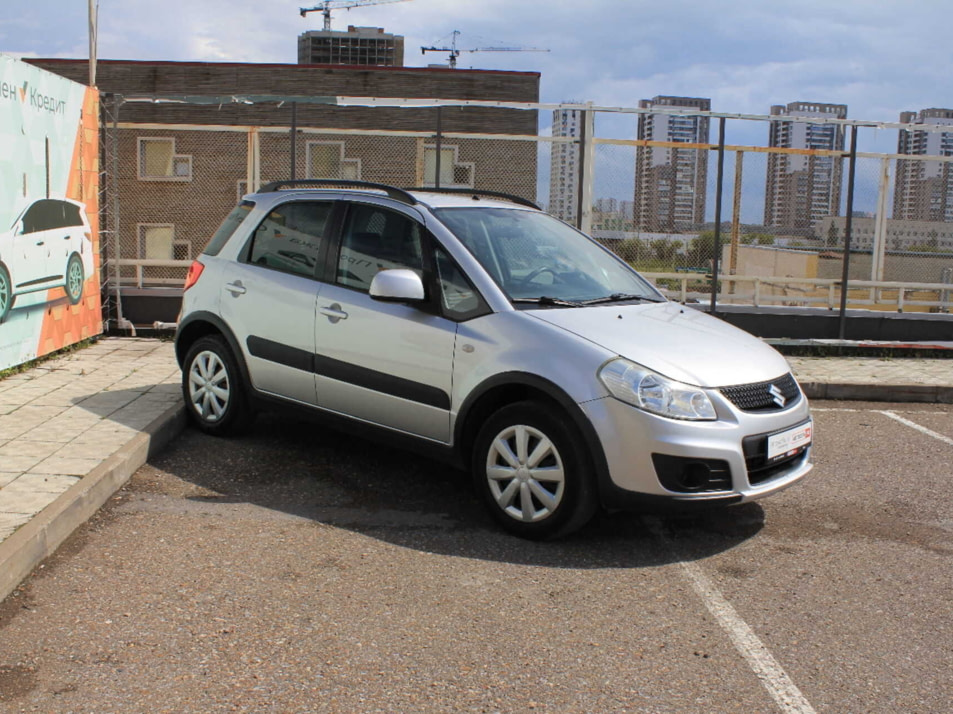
{"type": "Point", "coordinates": [789, 442]}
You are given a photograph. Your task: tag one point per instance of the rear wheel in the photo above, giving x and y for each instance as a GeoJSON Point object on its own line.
{"type": "Point", "coordinates": [532, 472]}
{"type": "Point", "coordinates": [6, 292]}
{"type": "Point", "coordinates": [74, 279]}
{"type": "Point", "coordinates": [212, 387]}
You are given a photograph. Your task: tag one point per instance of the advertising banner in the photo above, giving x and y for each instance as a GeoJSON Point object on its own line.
{"type": "Point", "coordinates": [49, 212]}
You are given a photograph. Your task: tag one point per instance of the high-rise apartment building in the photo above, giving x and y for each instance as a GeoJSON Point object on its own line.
{"type": "Point", "coordinates": [364, 46]}
{"type": "Point", "coordinates": [924, 189]}
{"type": "Point", "coordinates": [670, 182]}
{"type": "Point", "coordinates": [803, 189]}
{"type": "Point", "coordinates": [564, 166]}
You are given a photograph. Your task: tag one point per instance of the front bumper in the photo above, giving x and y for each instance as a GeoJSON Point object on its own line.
{"type": "Point", "coordinates": [632, 440]}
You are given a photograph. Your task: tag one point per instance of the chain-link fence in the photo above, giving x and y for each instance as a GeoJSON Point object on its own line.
{"type": "Point", "coordinates": [786, 214]}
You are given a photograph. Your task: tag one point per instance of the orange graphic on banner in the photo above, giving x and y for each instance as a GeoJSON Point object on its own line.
{"type": "Point", "coordinates": [65, 324]}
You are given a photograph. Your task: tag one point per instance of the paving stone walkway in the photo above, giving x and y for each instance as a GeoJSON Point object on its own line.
{"type": "Point", "coordinates": [62, 418]}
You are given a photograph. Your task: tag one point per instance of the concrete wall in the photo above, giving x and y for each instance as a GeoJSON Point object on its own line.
{"type": "Point", "coordinates": [766, 261]}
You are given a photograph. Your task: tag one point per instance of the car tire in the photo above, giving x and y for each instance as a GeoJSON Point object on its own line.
{"type": "Point", "coordinates": [532, 472]}
{"type": "Point", "coordinates": [6, 292]}
{"type": "Point", "coordinates": [212, 387]}
{"type": "Point", "coordinates": [74, 279]}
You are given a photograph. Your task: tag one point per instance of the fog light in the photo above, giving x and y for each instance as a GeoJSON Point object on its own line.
{"type": "Point", "coordinates": [695, 477]}
{"type": "Point", "coordinates": [683, 474]}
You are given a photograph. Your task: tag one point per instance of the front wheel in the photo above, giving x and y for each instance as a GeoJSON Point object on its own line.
{"type": "Point", "coordinates": [6, 292]}
{"type": "Point", "coordinates": [532, 472]}
{"type": "Point", "coordinates": [212, 387]}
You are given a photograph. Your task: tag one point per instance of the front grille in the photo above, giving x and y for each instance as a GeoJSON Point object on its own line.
{"type": "Point", "coordinates": [758, 397]}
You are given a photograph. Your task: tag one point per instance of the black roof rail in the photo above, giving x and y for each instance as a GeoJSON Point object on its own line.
{"type": "Point", "coordinates": [477, 194]}
{"type": "Point", "coordinates": [392, 191]}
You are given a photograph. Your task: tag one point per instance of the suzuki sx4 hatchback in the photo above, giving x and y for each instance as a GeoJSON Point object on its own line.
{"type": "Point", "coordinates": [494, 334]}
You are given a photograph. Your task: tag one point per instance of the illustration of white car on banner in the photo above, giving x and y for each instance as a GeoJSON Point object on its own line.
{"type": "Point", "coordinates": [48, 246]}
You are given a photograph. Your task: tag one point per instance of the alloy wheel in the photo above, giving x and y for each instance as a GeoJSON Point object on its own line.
{"type": "Point", "coordinates": [4, 292]}
{"type": "Point", "coordinates": [74, 279]}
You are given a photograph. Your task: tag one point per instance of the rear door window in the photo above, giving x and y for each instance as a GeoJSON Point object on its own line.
{"type": "Point", "coordinates": [292, 237]}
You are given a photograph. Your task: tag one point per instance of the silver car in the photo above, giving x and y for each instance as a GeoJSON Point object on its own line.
{"type": "Point", "coordinates": [478, 328]}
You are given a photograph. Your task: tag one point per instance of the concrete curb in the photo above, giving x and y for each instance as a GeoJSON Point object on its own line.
{"type": "Point", "coordinates": [39, 538]}
{"type": "Point", "coordinates": [919, 393]}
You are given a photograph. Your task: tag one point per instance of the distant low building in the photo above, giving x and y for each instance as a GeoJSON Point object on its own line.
{"type": "Point", "coordinates": [912, 236]}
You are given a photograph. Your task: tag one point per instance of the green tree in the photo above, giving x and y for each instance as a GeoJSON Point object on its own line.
{"type": "Point", "coordinates": [701, 251]}
{"type": "Point", "coordinates": [664, 250]}
{"type": "Point", "coordinates": [633, 250]}
{"type": "Point", "coordinates": [833, 237]}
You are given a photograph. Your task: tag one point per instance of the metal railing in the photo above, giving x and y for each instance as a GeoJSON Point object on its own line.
{"type": "Point", "coordinates": [591, 179]}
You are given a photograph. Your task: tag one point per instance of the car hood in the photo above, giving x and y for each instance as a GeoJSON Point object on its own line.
{"type": "Point", "coordinates": [676, 341]}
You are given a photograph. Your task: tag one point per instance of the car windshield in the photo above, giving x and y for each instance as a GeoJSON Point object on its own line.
{"type": "Point", "coordinates": [536, 258]}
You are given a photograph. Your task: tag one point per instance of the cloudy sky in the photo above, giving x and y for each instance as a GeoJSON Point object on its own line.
{"type": "Point", "coordinates": [879, 57]}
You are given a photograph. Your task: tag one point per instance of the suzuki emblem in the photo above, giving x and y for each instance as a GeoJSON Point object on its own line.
{"type": "Point", "coordinates": [777, 395]}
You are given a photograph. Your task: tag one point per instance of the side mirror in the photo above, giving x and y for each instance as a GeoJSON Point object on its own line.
{"type": "Point", "coordinates": [397, 285]}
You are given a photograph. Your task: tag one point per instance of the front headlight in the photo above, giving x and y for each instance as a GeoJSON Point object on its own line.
{"type": "Point", "coordinates": [654, 393]}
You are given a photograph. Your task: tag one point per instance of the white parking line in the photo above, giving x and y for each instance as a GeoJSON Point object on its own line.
{"type": "Point", "coordinates": [773, 677]}
{"type": "Point", "coordinates": [914, 425]}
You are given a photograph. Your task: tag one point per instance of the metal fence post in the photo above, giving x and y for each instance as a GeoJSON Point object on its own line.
{"type": "Point", "coordinates": [845, 278]}
{"type": "Point", "coordinates": [253, 161]}
{"type": "Point", "coordinates": [439, 141]}
{"type": "Point", "coordinates": [736, 215]}
{"type": "Point", "coordinates": [718, 191]}
{"type": "Point", "coordinates": [294, 140]}
{"type": "Point", "coordinates": [880, 228]}
{"type": "Point", "coordinates": [586, 167]}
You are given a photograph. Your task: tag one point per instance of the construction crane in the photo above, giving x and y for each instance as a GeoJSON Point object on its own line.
{"type": "Point", "coordinates": [455, 51]}
{"type": "Point", "coordinates": [328, 5]}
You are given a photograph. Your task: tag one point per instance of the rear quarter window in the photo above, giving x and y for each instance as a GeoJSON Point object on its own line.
{"type": "Point", "coordinates": [231, 223]}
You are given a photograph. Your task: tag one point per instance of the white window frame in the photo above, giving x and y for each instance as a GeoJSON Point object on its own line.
{"type": "Point", "coordinates": [141, 230]}
{"type": "Point", "coordinates": [353, 164]}
{"type": "Point", "coordinates": [468, 165]}
{"type": "Point", "coordinates": [183, 160]}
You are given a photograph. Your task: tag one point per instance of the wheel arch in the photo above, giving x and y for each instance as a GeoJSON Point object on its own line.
{"type": "Point", "coordinates": [201, 324]}
{"type": "Point", "coordinates": [512, 387]}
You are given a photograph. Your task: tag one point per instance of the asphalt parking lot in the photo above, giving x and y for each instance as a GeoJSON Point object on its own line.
{"type": "Point", "coordinates": [298, 570]}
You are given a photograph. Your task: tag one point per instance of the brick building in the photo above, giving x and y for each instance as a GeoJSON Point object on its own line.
{"type": "Point", "coordinates": [183, 164]}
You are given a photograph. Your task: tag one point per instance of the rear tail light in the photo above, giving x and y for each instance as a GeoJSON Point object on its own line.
{"type": "Point", "coordinates": [195, 270]}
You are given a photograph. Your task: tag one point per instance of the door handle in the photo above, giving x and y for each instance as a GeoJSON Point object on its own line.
{"type": "Point", "coordinates": [41, 242]}
{"type": "Point", "coordinates": [333, 312]}
{"type": "Point", "coordinates": [235, 288]}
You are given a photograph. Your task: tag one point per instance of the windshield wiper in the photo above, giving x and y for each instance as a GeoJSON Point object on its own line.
{"type": "Point", "coordinates": [621, 297]}
{"type": "Point", "coordinates": [547, 300]}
